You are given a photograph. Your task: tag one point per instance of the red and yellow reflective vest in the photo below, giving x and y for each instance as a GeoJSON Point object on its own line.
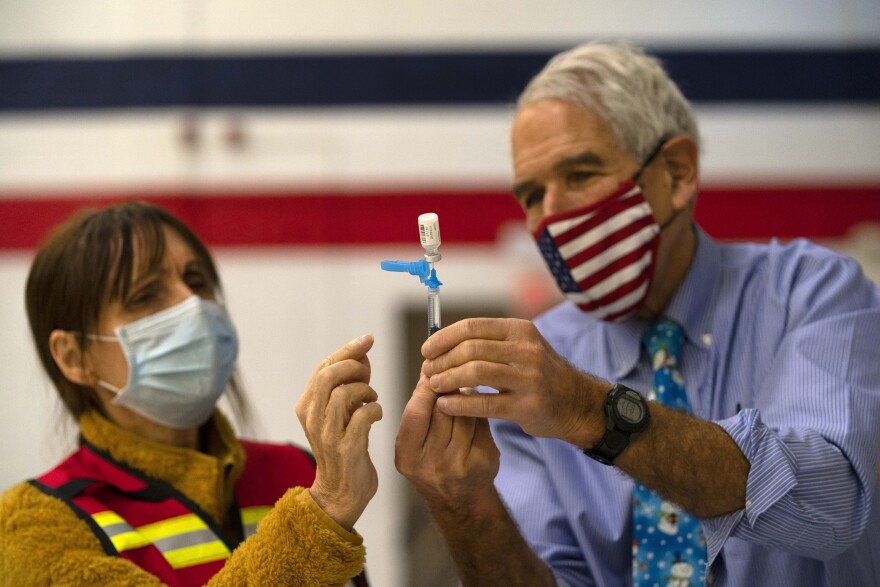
{"type": "Point", "coordinates": [150, 523]}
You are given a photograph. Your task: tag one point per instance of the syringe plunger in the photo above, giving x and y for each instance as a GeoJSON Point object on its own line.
{"type": "Point", "coordinates": [429, 233]}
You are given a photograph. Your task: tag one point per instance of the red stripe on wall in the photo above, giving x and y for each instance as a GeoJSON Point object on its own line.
{"type": "Point", "coordinates": [474, 217]}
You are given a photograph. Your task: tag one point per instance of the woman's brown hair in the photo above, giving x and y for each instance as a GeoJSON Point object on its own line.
{"type": "Point", "coordinates": [88, 261]}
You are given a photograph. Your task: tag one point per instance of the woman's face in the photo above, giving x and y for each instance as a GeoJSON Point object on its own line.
{"type": "Point", "coordinates": [179, 276]}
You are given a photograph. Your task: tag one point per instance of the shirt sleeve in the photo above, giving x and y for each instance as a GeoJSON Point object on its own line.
{"type": "Point", "coordinates": [811, 434]}
{"type": "Point", "coordinates": [527, 490]}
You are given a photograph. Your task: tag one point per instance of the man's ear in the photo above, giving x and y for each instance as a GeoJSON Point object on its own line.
{"type": "Point", "coordinates": [68, 355]}
{"type": "Point", "coordinates": [681, 158]}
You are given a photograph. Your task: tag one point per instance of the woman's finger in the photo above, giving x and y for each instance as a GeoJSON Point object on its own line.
{"type": "Point", "coordinates": [344, 400]}
{"type": "Point", "coordinates": [358, 430]}
{"type": "Point", "coordinates": [355, 349]}
{"type": "Point", "coordinates": [326, 380]}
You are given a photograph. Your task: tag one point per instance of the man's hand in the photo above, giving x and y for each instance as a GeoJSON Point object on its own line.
{"type": "Point", "coordinates": [448, 459]}
{"type": "Point", "coordinates": [336, 411]}
{"type": "Point", "coordinates": [452, 461]}
{"type": "Point", "coordinates": [538, 389]}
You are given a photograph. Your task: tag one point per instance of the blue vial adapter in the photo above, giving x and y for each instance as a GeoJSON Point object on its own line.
{"type": "Point", "coordinates": [421, 268]}
{"type": "Point", "coordinates": [428, 276]}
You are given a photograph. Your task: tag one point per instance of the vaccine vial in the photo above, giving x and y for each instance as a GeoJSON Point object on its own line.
{"type": "Point", "coordinates": [429, 233]}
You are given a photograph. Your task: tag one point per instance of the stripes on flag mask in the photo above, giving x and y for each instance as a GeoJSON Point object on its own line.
{"type": "Point", "coordinates": [603, 254]}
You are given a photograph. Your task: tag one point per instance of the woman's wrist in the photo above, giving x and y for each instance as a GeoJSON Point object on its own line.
{"type": "Point", "coordinates": [342, 514]}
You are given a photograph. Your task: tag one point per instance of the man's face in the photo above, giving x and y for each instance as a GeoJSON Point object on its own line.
{"type": "Point", "coordinates": [564, 157]}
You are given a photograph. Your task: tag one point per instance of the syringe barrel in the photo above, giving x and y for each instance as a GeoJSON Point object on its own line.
{"type": "Point", "coordinates": [434, 320]}
{"type": "Point", "coordinates": [429, 234]}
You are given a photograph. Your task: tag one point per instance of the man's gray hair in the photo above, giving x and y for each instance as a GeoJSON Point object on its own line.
{"type": "Point", "coordinates": [627, 88]}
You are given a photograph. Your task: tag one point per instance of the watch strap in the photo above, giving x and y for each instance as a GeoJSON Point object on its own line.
{"type": "Point", "coordinates": [611, 445]}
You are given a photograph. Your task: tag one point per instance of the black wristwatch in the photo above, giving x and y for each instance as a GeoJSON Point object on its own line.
{"type": "Point", "coordinates": [626, 414]}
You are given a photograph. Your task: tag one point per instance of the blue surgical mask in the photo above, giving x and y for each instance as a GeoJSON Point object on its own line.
{"type": "Point", "coordinates": [179, 362]}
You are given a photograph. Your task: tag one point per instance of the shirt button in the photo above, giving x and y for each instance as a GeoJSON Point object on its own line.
{"type": "Point", "coordinates": [707, 339]}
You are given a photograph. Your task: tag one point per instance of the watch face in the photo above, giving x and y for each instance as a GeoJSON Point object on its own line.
{"type": "Point", "coordinates": [630, 410]}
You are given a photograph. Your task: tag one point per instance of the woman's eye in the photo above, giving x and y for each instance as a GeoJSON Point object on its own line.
{"type": "Point", "coordinates": [197, 282]}
{"type": "Point", "coordinates": [143, 296]}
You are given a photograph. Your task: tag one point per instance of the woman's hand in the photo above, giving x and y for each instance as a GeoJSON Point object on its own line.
{"type": "Point", "coordinates": [336, 411]}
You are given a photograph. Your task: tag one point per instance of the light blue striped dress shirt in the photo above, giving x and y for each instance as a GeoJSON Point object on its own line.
{"type": "Point", "coordinates": [782, 350]}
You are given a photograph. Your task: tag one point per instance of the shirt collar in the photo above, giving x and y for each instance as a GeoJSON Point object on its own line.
{"type": "Point", "coordinates": [691, 304]}
{"type": "Point", "coordinates": [689, 307]}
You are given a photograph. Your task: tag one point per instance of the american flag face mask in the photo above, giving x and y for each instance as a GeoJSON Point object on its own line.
{"type": "Point", "coordinates": [603, 255]}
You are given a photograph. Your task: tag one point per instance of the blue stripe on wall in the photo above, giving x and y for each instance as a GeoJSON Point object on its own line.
{"type": "Point", "coordinates": [430, 78]}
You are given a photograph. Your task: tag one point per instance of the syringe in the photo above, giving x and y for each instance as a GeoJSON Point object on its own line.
{"type": "Point", "coordinates": [429, 234]}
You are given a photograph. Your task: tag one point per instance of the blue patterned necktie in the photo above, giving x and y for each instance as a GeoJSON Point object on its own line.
{"type": "Point", "coordinates": [668, 544]}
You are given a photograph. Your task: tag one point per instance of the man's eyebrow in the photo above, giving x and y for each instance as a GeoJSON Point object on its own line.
{"type": "Point", "coordinates": [585, 158]}
{"type": "Point", "coordinates": [520, 189]}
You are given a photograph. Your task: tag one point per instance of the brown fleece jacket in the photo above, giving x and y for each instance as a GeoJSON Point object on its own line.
{"type": "Point", "coordinates": [42, 542]}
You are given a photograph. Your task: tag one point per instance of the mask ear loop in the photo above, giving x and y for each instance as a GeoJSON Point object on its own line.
{"type": "Point", "coordinates": [648, 160]}
{"type": "Point", "coordinates": [652, 155]}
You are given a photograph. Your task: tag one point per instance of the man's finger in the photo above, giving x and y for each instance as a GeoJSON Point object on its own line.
{"type": "Point", "coordinates": [462, 434]}
{"type": "Point", "coordinates": [416, 418]}
{"type": "Point", "coordinates": [493, 351]}
{"type": "Point", "coordinates": [449, 337]}
{"type": "Point", "coordinates": [484, 405]}
{"type": "Point", "coordinates": [439, 433]}
{"type": "Point", "coordinates": [475, 373]}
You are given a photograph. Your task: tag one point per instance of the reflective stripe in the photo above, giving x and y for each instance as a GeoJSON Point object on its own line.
{"type": "Point", "coordinates": [251, 516]}
{"type": "Point", "coordinates": [197, 554]}
{"type": "Point", "coordinates": [171, 526]}
{"type": "Point", "coordinates": [123, 536]}
{"type": "Point", "coordinates": [184, 541]}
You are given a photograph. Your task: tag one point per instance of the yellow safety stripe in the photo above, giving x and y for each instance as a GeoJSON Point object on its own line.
{"type": "Point", "coordinates": [197, 554]}
{"type": "Point", "coordinates": [128, 541]}
{"type": "Point", "coordinates": [107, 518]}
{"type": "Point", "coordinates": [172, 526]}
{"type": "Point", "coordinates": [253, 514]}
{"type": "Point", "coordinates": [124, 537]}
{"type": "Point", "coordinates": [122, 540]}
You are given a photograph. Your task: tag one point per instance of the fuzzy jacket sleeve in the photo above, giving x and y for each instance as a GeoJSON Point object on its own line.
{"type": "Point", "coordinates": [295, 544]}
{"type": "Point", "coordinates": [42, 542]}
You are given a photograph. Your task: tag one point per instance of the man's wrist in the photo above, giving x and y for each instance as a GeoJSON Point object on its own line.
{"type": "Point", "coordinates": [591, 427]}
{"type": "Point", "coordinates": [474, 503]}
